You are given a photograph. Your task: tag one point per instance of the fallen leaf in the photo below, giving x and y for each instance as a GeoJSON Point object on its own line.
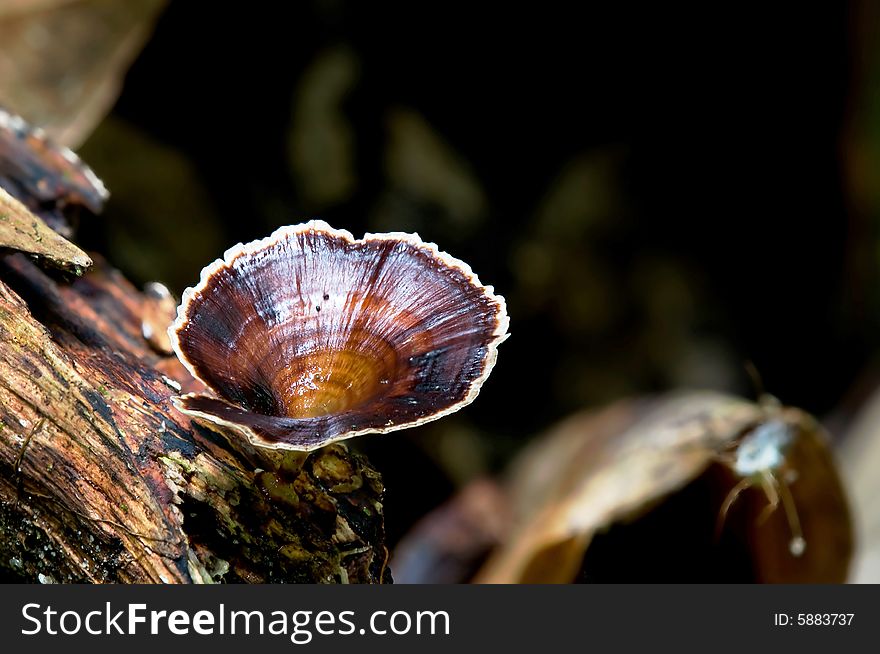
{"type": "Point", "coordinates": [62, 61]}
{"type": "Point", "coordinates": [451, 542]}
{"type": "Point", "coordinates": [608, 472]}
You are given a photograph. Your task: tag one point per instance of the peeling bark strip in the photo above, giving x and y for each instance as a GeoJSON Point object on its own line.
{"type": "Point", "coordinates": [101, 480]}
{"type": "Point", "coordinates": [24, 231]}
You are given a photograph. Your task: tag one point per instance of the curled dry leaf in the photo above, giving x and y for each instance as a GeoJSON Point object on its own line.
{"type": "Point", "coordinates": [860, 459]}
{"type": "Point", "coordinates": [451, 542]}
{"type": "Point", "coordinates": [23, 231]}
{"type": "Point", "coordinates": [696, 486]}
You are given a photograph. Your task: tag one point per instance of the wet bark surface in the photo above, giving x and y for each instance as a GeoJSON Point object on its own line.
{"type": "Point", "coordinates": [102, 480]}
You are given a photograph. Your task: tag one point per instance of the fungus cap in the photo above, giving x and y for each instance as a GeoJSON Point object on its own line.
{"type": "Point", "coordinates": [311, 336]}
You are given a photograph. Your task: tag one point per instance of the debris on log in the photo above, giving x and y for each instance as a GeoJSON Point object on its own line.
{"type": "Point", "coordinates": [26, 232]}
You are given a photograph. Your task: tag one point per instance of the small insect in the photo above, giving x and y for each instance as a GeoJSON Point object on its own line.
{"type": "Point", "coordinates": [759, 459]}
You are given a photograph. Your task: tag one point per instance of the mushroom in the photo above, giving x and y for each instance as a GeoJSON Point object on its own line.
{"type": "Point", "coordinates": [311, 336]}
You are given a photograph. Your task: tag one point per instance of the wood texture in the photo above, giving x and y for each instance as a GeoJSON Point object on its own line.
{"type": "Point", "coordinates": [24, 231]}
{"type": "Point", "coordinates": [102, 480]}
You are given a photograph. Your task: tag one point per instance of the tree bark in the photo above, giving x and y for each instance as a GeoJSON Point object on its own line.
{"type": "Point", "coordinates": [102, 480]}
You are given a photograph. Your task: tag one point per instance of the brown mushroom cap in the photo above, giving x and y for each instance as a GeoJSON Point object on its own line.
{"type": "Point", "coordinates": [311, 336]}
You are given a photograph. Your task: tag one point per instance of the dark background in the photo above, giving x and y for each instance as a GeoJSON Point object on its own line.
{"type": "Point", "coordinates": [661, 194]}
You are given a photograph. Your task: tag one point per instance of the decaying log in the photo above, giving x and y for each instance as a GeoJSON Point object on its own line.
{"type": "Point", "coordinates": [102, 480]}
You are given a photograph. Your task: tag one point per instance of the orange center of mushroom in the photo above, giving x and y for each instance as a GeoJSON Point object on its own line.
{"type": "Point", "coordinates": [333, 381]}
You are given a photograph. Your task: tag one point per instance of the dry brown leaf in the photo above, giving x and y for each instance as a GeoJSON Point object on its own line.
{"type": "Point", "coordinates": [599, 470]}
{"type": "Point", "coordinates": [860, 459]}
{"type": "Point", "coordinates": [62, 61]}
{"type": "Point", "coordinates": [448, 545]}
{"type": "Point", "coordinates": [22, 230]}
